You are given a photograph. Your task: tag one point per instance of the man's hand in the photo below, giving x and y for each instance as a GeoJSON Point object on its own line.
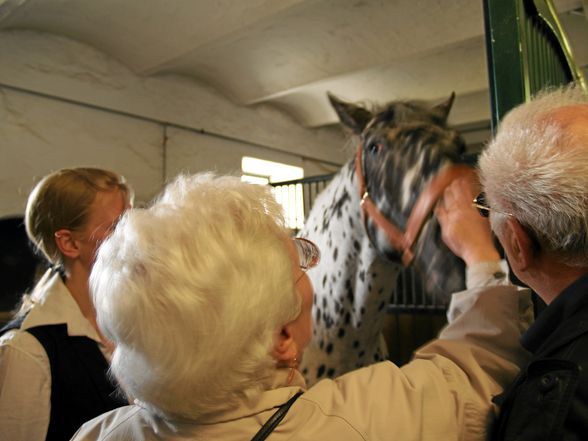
{"type": "Point", "coordinates": [463, 230]}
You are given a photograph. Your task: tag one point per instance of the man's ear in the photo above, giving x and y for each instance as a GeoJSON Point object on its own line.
{"type": "Point", "coordinates": [520, 245]}
{"type": "Point", "coordinates": [66, 243]}
{"type": "Point", "coordinates": [285, 348]}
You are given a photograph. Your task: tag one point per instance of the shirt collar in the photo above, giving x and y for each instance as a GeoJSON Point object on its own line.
{"type": "Point", "coordinates": [561, 308]}
{"type": "Point", "coordinates": [54, 305]}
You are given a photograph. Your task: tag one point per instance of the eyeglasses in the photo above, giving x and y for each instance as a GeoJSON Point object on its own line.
{"type": "Point", "coordinates": [309, 255]}
{"type": "Point", "coordinates": [484, 209]}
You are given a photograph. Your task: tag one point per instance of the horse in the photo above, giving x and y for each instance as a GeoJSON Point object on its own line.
{"type": "Point", "coordinates": [373, 218]}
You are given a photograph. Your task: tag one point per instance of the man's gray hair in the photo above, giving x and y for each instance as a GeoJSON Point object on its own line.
{"type": "Point", "coordinates": [193, 291]}
{"type": "Point", "coordinates": [536, 169]}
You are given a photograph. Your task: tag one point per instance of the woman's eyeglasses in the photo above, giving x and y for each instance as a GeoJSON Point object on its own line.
{"type": "Point", "coordinates": [484, 209]}
{"type": "Point", "coordinates": [309, 255]}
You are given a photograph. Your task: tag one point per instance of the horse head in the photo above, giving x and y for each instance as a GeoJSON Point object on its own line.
{"type": "Point", "coordinates": [406, 156]}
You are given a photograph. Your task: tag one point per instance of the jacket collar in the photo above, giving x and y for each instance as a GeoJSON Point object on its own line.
{"type": "Point", "coordinates": [254, 402]}
{"type": "Point", "coordinates": [561, 322]}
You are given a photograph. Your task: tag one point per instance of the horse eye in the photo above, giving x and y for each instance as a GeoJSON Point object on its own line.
{"type": "Point", "coordinates": [374, 147]}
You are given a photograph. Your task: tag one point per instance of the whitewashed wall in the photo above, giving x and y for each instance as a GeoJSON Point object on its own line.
{"type": "Point", "coordinates": [65, 104]}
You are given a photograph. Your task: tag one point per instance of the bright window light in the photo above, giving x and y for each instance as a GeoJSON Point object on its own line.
{"type": "Point", "coordinates": [261, 180]}
{"type": "Point", "coordinates": [259, 171]}
{"type": "Point", "coordinates": [274, 171]}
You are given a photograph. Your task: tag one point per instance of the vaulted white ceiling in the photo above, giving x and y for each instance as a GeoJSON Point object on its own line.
{"type": "Point", "coordinates": [290, 52]}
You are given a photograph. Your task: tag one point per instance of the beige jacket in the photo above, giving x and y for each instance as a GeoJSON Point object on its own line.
{"type": "Point", "coordinates": [443, 394]}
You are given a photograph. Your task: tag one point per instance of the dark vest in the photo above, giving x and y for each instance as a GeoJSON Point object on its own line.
{"type": "Point", "coordinates": [80, 386]}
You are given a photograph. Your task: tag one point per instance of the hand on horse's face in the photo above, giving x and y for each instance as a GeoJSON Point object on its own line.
{"type": "Point", "coordinates": [463, 230]}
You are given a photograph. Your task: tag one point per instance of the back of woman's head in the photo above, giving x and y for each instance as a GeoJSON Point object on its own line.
{"type": "Point", "coordinates": [192, 291]}
{"type": "Point", "coordinates": [62, 200]}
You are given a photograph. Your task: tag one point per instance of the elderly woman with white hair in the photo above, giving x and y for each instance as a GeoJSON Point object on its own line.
{"type": "Point", "coordinates": [206, 299]}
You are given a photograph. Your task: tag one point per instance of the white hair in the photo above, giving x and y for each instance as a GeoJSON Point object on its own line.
{"type": "Point", "coordinates": [536, 169]}
{"type": "Point", "coordinates": [192, 291]}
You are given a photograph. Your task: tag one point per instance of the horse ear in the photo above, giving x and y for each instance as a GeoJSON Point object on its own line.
{"type": "Point", "coordinates": [442, 110]}
{"type": "Point", "coordinates": [353, 117]}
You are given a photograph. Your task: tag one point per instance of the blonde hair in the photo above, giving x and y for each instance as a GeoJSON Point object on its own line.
{"type": "Point", "coordinates": [536, 168]}
{"type": "Point", "coordinates": [62, 200]}
{"type": "Point", "coordinates": [192, 292]}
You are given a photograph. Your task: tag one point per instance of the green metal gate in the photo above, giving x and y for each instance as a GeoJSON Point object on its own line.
{"type": "Point", "coordinates": [527, 51]}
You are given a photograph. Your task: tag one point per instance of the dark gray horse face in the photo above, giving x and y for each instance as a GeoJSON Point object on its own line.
{"type": "Point", "coordinates": [404, 145]}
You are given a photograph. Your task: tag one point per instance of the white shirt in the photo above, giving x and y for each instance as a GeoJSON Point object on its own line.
{"type": "Point", "coordinates": [25, 373]}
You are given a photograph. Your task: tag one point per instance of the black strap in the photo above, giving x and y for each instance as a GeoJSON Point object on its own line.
{"type": "Point", "coordinates": [275, 419]}
{"type": "Point", "coordinates": [14, 323]}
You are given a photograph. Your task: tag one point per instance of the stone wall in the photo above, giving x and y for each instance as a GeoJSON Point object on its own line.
{"type": "Point", "coordinates": [63, 104]}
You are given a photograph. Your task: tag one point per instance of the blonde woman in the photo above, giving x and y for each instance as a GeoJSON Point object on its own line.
{"type": "Point", "coordinates": [209, 307]}
{"type": "Point", "coordinates": [53, 358]}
